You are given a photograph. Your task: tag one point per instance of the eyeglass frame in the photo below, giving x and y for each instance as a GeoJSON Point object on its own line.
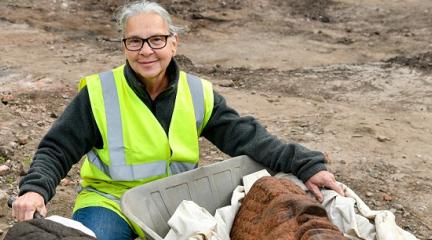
{"type": "Point", "coordinates": [146, 40]}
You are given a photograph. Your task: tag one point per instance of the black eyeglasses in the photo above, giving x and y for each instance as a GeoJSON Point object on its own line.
{"type": "Point", "coordinates": [154, 42]}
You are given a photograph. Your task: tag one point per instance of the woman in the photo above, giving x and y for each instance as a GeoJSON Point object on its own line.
{"type": "Point", "coordinates": [140, 122]}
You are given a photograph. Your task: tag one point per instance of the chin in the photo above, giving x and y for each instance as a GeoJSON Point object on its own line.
{"type": "Point", "coordinates": [149, 74]}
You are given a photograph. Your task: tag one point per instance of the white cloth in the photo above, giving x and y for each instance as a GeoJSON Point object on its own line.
{"type": "Point", "coordinates": [72, 224]}
{"type": "Point", "coordinates": [225, 216]}
{"type": "Point", "coordinates": [350, 214]}
{"type": "Point", "coordinates": [384, 220]}
{"type": "Point", "coordinates": [193, 222]}
{"type": "Point", "coordinates": [249, 180]}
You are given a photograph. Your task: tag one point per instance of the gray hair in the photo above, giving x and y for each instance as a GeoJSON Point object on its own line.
{"type": "Point", "coordinates": [135, 8]}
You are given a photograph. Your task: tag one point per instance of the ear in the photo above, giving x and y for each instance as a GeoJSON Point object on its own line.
{"type": "Point", "coordinates": [122, 46]}
{"type": "Point", "coordinates": [124, 49]}
{"type": "Point", "coordinates": [174, 43]}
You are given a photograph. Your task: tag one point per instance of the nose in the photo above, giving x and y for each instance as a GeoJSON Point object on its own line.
{"type": "Point", "coordinates": [146, 49]}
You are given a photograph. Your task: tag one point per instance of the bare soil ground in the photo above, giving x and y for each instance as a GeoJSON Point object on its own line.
{"type": "Point", "coordinates": [351, 78]}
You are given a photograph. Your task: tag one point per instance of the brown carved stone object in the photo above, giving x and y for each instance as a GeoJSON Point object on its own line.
{"type": "Point", "coordinates": [278, 209]}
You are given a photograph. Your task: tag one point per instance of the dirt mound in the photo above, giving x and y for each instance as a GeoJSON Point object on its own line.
{"type": "Point", "coordinates": [311, 9]}
{"type": "Point", "coordinates": [188, 9]}
{"type": "Point", "coordinates": [422, 61]}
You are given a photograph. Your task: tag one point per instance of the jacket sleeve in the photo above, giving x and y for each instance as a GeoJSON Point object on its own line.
{"type": "Point", "coordinates": [71, 136]}
{"type": "Point", "coordinates": [235, 135]}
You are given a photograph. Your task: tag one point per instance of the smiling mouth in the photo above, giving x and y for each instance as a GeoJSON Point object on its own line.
{"type": "Point", "coordinates": [147, 62]}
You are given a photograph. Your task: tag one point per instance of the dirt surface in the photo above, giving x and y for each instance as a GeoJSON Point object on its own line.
{"type": "Point", "coordinates": [351, 78]}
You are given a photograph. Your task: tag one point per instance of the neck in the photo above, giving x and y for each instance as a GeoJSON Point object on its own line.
{"type": "Point", "coordinates": [155, 86]}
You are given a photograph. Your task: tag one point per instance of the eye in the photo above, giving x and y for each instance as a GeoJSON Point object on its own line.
{"type": "Point", "coordinates": [157, 39]}
{"type": "Point", "coordinates": [134, 41]}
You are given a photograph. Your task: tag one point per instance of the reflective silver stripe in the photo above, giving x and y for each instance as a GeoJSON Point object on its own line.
{"type": "Point", "coordinates": [179, 167]}
{"type": "Point", "coordinates": [94, 159]}
{"type": "Point", "coordinates": [197, 92]}
{"type": "Point", "coordinates": [113, 118]}
{"type": "Point", "coordinates": [129, 172]}
{"type": "Point", "coordinates": [138, 171]}
{"type": "Point", "coordinates": [109, 196]}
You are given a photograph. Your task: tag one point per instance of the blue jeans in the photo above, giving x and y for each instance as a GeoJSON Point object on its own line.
{"type": "Point", "coordinates": [106, 224]}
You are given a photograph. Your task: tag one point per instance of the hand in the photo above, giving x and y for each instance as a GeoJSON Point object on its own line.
{"type": "Point", "coordinates": [24, 207]}
{"type": "Point", "coordinates": [320, 180]}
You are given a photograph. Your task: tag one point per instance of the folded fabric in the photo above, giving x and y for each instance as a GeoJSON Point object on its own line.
{"type": "Point", "coordinates": [189, 217]}
{"type": "Point", "coordinates": [225, 216]}
{"type": "Point", "coordinates": [191, 221]}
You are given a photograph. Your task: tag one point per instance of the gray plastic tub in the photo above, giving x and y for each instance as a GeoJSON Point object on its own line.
{"type": "Point", "coordinates": [151, 205]}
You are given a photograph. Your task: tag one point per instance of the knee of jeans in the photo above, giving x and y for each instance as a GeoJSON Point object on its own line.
{"type": "Point", "coordinates": [105, 223]}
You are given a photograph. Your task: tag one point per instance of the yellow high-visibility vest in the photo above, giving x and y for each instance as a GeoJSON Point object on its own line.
{"type": "Point", "coordinates": [136, 149]}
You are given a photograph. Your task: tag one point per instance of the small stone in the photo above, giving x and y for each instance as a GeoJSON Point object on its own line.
{"type": "Point", "coordinates": [324, 19]}
{"type": "Point", "coordinates": [398, 206]}
{"type": "Point", "coordinates": [271, 100]}
{"type": "Point", "coordinates": [53, 115]}
{"type": "Point", "coordinates": [383, 139]}
{"type": "Point", "coordinates": [21, 170]}
{"type": "Point", "coordinates": [23, 140]}
{"type": "Point", "coordinates": [66, 182]}
{"type": "Point", "coordinates": [4, 170]}
{"type": "Point", "coordinates": [327, 156]}
{"type": "Point", "coordinates": [23, 124]}
{"type": "Point", "coordinates": [387, 197]}
{"type": "Point", "coordinates": [369, 194]}
{"type": "Point", "coordinates": [5, 151]}
{"type": "Point", "coordinates": [226, 83]}
{"type": "Point", "coordinates": [13, 145]}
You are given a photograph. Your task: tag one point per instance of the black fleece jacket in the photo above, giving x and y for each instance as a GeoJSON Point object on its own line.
{"type": "Point", "coordinates": [76, 132]}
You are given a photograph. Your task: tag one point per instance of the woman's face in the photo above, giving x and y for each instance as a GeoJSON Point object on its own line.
{"type": "Point", "coordinates": [150, 64]}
